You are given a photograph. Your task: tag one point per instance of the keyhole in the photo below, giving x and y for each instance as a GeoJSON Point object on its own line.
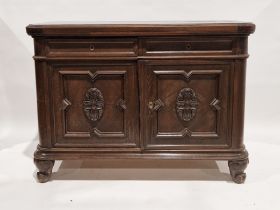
{"type": "Point", "coordinates": [91, 47]}
{"type": "Point", "coordinates": [151, 105]}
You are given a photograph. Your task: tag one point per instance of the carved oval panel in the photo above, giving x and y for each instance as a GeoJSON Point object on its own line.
{"type": "Point", "coordinates": [186, 104]}
{"type": "Point", "coordinates": [93, 104]}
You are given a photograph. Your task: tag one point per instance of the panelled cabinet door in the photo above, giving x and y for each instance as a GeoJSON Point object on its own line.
{"type": "Point", "coordinates": [185, 104]}
{"type": "Point", "coordinates": [95, 104]}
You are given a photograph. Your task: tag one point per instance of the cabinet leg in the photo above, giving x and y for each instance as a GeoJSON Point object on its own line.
{"type": "Point", "coordinates": [237, 168]}
{"type": "Point", "coordinates": [44, 169]}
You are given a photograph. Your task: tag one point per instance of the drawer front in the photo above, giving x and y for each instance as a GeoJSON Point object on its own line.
{"type": "Point", "coordinates": [92, 47]}
{"type": "Point", "coordinates": [189, 45]}
{"type": "Point", "coordinates": [185, 105]}
{"type": "Point", "coordinates": [95, 105]}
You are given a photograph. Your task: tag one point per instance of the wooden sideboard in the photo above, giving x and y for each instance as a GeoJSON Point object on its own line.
{"type": "Point", "coordinates": [158, 90]}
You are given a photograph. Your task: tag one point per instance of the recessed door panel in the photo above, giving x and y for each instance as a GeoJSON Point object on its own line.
{"type": "Point", "coordinates": [185, 104]}
{"type": "Point", "coordinates": [96, 105]}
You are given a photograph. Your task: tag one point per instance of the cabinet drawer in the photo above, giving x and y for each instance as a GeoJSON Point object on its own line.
{"type": "Point", "coordinates": [186, 45]}
{"type": "Point", "coordinates": [92, 47]}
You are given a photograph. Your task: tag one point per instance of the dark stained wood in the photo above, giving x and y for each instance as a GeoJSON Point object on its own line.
{"type": "Point", "coordinates": [102, 47]}
{"type": "Point", "coordinates": [140, 28]}
{"type": "Point", "coordinates": [191, 45]}
{"type": "Point", "coordinates": [44, 169]}
{"type": "Point", "coordinates": [163, 80]}
{"type": "Point", "coordinates": [116, 127]}
{"type": "Point", "coordinates": [237, 168]}
{"type": "Point", "coordinates": [141, 90]}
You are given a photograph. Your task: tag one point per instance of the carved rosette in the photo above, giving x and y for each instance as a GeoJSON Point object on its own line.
{"type": "Point", "coordinates": [93, 104]}
{"type": "Point", "coordinates": [186, 104]}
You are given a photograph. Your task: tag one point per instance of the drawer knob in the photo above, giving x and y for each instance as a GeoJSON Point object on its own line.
{"type": "Point", "coordinates": [91, 47]}
{"type": "Point", "coordinates": [188, 46]}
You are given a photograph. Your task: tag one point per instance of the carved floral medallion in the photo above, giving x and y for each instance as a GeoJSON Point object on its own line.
{"type": "Point", "coordinates": [186, 104]}
{"type": "Point", "coordinates": [93, 104]}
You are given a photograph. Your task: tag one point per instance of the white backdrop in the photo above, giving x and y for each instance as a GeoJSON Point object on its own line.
{"type": "Point", "coordinates": [92, 186]}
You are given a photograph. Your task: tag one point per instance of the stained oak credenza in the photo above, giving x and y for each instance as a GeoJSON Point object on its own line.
{"type": "Point", "coordinates": [152, 90]}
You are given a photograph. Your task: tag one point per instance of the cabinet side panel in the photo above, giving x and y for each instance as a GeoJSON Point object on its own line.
{"type": "Point", "coordinates": [238, 103]}
{"type": "Point", "coordinates": [43, 104]}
